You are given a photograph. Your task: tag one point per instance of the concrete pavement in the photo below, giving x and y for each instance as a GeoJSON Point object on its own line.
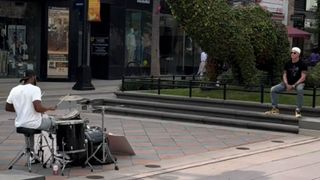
{"type": "Point", "coordinates": [161, 147]}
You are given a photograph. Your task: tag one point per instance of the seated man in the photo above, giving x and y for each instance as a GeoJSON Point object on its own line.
{"type": "Point", "coordinates": [25, 101]}
{"type": "Point", "coordinates": [293, 78]}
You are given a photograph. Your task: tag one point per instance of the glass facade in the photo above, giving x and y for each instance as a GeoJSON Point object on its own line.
{"type": "Point", "coordinates": [20, 37]}
{"type": "Point", "coordinates": [138, 39]}
{"type": "Point", "coordinates": [178, 53]}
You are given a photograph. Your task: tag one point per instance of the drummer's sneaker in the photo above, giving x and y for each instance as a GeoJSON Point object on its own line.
{"type": "Point", "coordinates": [63, 156]}
{"type": "Point", "coordinates": [34, 158]}
{"type": "Point", "coordinates": [298, 113]}
{"type": "Point", "coordinates": [274, 110]}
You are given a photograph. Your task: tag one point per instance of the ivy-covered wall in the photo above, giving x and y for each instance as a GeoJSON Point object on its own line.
{"type": "Point", "coordinates": [243, 37]}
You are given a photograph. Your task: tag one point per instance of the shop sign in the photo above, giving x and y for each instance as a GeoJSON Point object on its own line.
{"type": "Point", "coordinates": [274, 6]}
{"type": "Point", "coordinates": [143, 1]}
{"type": "Point", "coordinates": [99, 46]}
{"type": "Point", "coordinates": [79, 3]}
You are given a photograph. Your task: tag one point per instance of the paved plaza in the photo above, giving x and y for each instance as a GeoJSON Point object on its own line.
{"type": "Point", "coordinates": [161, 146]}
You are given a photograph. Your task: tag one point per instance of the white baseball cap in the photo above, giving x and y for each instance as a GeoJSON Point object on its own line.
{"type": "Point", "coordinates": [296, 49]}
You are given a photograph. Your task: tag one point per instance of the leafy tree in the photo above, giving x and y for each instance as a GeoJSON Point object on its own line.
{"type": "Point", "coordinates": [244, 37]}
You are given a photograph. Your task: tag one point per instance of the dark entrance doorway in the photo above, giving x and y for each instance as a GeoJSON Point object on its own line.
{"type": "Point", "coordinates": [99, 45]}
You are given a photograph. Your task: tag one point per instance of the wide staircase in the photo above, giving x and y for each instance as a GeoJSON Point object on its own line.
{"type": "Point", "coordinates": [210, 111]}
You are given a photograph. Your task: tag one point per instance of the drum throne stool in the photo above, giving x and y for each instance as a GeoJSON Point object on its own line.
{"type": "Point", "coordinates": [27, 132]}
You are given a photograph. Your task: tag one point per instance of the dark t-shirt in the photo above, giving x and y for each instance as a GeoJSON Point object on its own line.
{"type": "Point", "coordinates": [294, 71]}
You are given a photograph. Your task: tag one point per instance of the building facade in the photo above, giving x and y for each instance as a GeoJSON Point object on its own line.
{"type": "Point", "coordinates": [47, 36]}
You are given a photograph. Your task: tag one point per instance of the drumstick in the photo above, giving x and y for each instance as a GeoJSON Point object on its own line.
{"type": "Point", "coordinates": [62, 99]}
{"type": "Point", "coordinates": [43, 93]}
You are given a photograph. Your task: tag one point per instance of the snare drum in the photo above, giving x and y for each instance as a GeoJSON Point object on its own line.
{"type": "Point", "coordinates": [75, 114]}
{"type": "Point", "coordinates": [70, 134]}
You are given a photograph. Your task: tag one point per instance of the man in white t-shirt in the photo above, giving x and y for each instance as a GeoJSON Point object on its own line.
{"type": "Point", "coordinates": [203, 62]}
{"type": "Point", "coordinates": [25, 101]}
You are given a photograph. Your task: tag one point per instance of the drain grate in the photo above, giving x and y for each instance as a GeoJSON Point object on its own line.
{"type": "Point", "coordinates": [152, 166]}
{"type": "Point", "coordinates": [243, 148]}
{"type": "Point", "coordinates": [277, 141]}
{"type": "Point", "coordinates": [94, 177]}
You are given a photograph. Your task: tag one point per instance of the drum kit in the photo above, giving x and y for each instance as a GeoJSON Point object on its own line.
{"type": "Point", "coordinates": [77, 142]}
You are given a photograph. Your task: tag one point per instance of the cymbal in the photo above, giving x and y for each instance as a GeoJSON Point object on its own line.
{"type": "Point", "coordinates": [71, 98]}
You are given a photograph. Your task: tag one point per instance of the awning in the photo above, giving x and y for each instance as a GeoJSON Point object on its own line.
{"type": "Point", "coordinates": [297, 33]}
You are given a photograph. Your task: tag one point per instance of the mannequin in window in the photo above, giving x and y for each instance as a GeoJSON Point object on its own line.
{"type": "Point", "coordinates": [131, 45]}
{"type": "Point", "coordinates": [3, 40]}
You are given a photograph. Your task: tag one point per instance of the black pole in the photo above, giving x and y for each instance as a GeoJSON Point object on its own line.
{"type": "Point", "coordinates": [314, 95]}
{"type": "Point", "coordinates": [190, 88]}
{"type": "Point", "coordinates": [159, 85]}
{"type": "Point", "coordinates": [224, 91]}
{"type": "Point", "coordinates": [84, 71]}
{"type": "Point", "coordinates": [122, 83]}
{"type": "Point", "coordinates": [261, 93]}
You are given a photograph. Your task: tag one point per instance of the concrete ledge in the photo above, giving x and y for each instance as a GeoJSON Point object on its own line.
{"type": "Point", "coordinates": [255, 106]}
{"type": "Point", "coordinates": [309, 132]}
{"type": "Point", "coordinates": [20, 175]}
{"type": "Point", "coordinates": [204, 119]}
{"type": "Point", "coordinates": [309, 126]}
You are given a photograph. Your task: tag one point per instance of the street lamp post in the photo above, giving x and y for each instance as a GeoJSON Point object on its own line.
{"type": "Point", "coordinates": [84, 71]}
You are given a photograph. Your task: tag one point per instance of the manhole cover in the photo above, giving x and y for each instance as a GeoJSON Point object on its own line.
{"type": "Point", "coordinates": [95, 177]}
{"type": "Point", "coordinates": [152, 166]}
{"type": "Point", "coordinates": [277, 141]}
{"type": "Point", "coordinates": [243, 148]}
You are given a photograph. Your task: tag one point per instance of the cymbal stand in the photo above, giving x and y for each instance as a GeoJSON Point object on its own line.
{"type": "Point", "coordinates": [105, 149]}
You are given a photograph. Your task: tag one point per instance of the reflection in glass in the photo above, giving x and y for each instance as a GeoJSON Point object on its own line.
{"type": "Point", "coordinates": [19, 37]}
{"type": "Point", "coordinates": [58, 40]}
{"type": "Point", "coordinates": [138, 42]}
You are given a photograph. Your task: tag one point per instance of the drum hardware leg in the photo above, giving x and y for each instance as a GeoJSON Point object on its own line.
{"type": "Point", "coordinates": [41, 146]}
{"type": "Point", "coordinates": [87, 152]}
{"type": "Point", "coordinates": [113, 159]}
{"type": "Point", "coordinates": [105, 149]}
{"type": "Point", "coordinates": [51, 149]}
{"type": "Point", "coordinates": [63, 161]}
{"type": "Point", "coordinates": [16, 159]}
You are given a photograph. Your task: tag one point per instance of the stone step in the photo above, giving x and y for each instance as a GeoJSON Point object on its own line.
{"type": "Point", "coordinates": [209, 102]}
{"type": "Point", "coordinates": [216, 112]}
{"type": "Point", "coordinates": [199, 119]}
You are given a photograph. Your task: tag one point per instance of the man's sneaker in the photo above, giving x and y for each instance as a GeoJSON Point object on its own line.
{"type": "Point", "coordinates": [273, 111]}
{"type": "Point", "coordinates": [298, 114]}
{"type": "Point", "coordinates": [34, 158]}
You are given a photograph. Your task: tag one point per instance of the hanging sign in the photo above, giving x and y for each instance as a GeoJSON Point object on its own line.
{"type": "Point", "coordinates": [94, 11]}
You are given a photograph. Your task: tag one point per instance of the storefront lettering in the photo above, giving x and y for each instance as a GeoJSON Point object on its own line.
{"type": "Point", "coordinates": [143, 1]}
{"type": "Point", "coordinates": [99, 46]}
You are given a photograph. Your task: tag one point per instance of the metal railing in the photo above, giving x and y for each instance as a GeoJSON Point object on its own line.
{"type": "Point", "coordinates": [182, 81]}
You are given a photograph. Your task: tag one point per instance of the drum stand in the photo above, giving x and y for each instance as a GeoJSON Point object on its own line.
{"type": "Point", "coordinates": [105, 149]}
{"type": "Point", "coordinates": [54, 158]}
{"type": "Point", "coordinates": [63, 161]}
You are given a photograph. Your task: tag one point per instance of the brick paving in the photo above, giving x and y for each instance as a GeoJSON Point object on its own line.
{"type": "Point", "coordinates": [152, 141]}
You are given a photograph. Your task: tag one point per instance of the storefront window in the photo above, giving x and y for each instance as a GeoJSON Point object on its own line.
{"type": "Point", "coordinates": [19, 38]}
{"type": "Point", "coordinates": [138, 39]}
{"type": "Point", "coordinates": [58, 41]}
{"type": "Point", "coordinates": [177, 52]}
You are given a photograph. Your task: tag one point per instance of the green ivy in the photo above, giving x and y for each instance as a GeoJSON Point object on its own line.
{"type": "Point", "coordinates": [244, 37]}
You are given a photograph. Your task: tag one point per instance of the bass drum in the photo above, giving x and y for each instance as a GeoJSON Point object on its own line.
{"type": "Point", "coordinates": [70, 136]}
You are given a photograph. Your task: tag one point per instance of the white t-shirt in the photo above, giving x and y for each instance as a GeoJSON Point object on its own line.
{"type": "Point", "coordinates": [22, 97]}
{"type": "Point", "coordinates": [204, 57]}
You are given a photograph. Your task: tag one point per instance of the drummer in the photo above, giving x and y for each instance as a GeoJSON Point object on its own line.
{"type": "Point", "coordinates": [25, 100]}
